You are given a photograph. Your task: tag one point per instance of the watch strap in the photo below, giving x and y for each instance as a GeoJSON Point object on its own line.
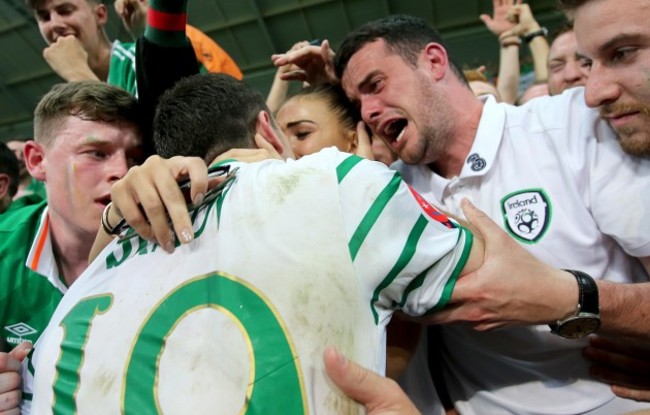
{"type": "Point", "coordinates": [588, 292]}
{"type": "Point", "coordinates": [542, 31]}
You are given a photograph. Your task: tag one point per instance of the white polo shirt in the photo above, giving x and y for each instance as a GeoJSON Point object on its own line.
{"type": "Point", "coordinates": [553, 175]}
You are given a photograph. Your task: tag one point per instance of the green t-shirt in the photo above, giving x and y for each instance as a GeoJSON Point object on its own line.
{"type": "Point", "coordinates": [121, 71]}
{"type": "Point", "coordinates": [27, 299]}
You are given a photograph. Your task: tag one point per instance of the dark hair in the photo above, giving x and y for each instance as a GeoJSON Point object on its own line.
{"type": "Point", "coordinates": [571, 5]}
{"type": "Point", "coordinates": [565, 28]}
{"type": "Point", "coordinates": [347, 114]}
{"type": "Point", "coordinates": [404, 35]}
{"type": "Point", "coordinates": [206, 114]}
{"type": "Point", "coordinates": [9, 166]}
{"type": "Point", "coordinates": [88, 100]}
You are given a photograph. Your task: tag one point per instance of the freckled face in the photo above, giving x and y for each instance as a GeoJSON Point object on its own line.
{"type": "Point", "coordinates": [80, 165]}
{"type": "Point", "coordinates": [310, 126]}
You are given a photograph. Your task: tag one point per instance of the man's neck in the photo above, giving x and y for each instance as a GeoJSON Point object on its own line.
{"type": "Point", "coordinates": [71, 249]}
{"type": "Point", "coordinates": [452, 163]}
{"type": "Point", "coordinates": [100, 61]}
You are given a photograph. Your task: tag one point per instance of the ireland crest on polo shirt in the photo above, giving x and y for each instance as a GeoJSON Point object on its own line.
{"type": "Point", "coordinates": [526, 214]}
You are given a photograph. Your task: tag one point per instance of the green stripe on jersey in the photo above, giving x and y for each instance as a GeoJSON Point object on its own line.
{"type": "Point", "coordinates": [404, 258]}
{"type": "Point", "coordinates": [346, 165]}
{"type": "Point", "coordinates": [451, 282]}
{"type": "Point", "coordinates": [372, 214]}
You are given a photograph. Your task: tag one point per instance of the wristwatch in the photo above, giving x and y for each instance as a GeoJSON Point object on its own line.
{"type": "Point", "coordinates": [542, 31]}
{"type": "Point", "coordinates": [587, 319]}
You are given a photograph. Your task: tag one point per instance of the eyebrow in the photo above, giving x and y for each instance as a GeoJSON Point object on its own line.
{"type": "Point", "coordinates": [294, 123]}
{"type": "Point", "coordinates": [623, 37]}
{"type": "Point", "coordinates": [365, 81]}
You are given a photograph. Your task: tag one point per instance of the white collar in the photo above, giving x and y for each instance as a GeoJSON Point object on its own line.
{"type": "Point", "coordinates": [41, 255]}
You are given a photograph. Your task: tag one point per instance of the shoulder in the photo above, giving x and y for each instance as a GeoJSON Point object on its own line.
{"type": "Point", "coordinates": [123, 48]}
{"type": "Point", "coordinates": [21, 217]}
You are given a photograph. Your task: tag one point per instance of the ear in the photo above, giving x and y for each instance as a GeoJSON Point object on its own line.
{"type": "Point", "coordinates": [101, 12]}
{"type": "Point", "coordinates": [353, 141]}
{"type": "Point", "coordinates": [436, 59]}
{"type": "Point", "coordinates": [35, 160]}
{"type": "Point", "coordinates": [4, 185]}
{"type": "Point", "coordinates": [265, 128]}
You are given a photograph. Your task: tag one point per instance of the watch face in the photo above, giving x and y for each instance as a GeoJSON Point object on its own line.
{"type": "Point", "coordinates": [577, 327]}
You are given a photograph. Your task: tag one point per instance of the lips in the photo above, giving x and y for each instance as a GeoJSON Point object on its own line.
{"type": "Point", "coordinates": [105, 200]}
{"type": "Point", "coordinates": [619, 120]}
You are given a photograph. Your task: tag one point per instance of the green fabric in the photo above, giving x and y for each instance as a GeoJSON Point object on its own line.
{"type": "Point", "coordinates": [121, 71]}
{"type": "Point", "coordinates": [37, 187]}
{"type": "Point", "coordinates": [21, 202]}
{"type": "Point", "coordinates": [27, 299]}
{"type": "Point", "coordinates": [163, 35]}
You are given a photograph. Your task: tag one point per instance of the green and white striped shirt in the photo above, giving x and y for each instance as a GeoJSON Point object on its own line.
{"type": "Point", "coordinates": [292, 257]}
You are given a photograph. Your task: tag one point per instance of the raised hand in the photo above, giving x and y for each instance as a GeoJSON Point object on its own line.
{"type": "Point", "coordinates": [133, 14]}
{"type": "Point", "coordinates": [499, 23]}
{"type": "Point", "coordinates": [315, 64]}
{"type": "Point", "coordinates": [69, 59]}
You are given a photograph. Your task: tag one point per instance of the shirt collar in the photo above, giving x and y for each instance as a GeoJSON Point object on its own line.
{"type": "Point", "coordinates": [488, 138]}
{"type": "Point", "coordinates": [41, 255]}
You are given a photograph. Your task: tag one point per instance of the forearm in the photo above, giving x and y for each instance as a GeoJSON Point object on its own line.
{"type": "Point", "coordinates": [624, 309]}
{"type": "Point", "coordinates": [508, 78]}
{"type": "Point", "coordinates": [163, 56]}
{"type": "Point", "coordinates": [278, 93]}
{"type": "Point", "coordinates": [539, 49]}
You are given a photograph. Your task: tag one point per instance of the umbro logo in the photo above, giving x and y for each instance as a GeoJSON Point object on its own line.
{"type": "Point", "coordinates": [20, 329]}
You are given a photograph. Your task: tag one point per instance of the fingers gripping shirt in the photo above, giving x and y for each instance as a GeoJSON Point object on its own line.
{"type": "Point", "coordinates": [292, 257]}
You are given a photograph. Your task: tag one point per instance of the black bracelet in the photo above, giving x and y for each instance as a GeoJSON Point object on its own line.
{"type": "Point", "coordinates": [532, 35]}
{"type": "Point", "coordinates": [107, 226]}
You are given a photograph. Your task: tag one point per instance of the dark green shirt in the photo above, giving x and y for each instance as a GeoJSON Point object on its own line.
{"type": "Point", "coordinates": [27, 298]}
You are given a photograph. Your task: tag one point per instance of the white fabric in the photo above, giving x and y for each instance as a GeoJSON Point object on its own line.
{"type": "Point", "coordinates": [287, 231]}
{"type": "Point", "coordinates": [41, 256]}
{"type": "Point", "coordinates": [599, 209]}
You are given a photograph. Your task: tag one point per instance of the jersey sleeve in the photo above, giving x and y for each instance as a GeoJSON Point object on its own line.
{"type": "Point", "coordinates": [407, 254]}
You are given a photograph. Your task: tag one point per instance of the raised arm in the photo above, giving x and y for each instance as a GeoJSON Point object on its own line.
{"type": "Point", "coordinates": [280, 86]}
{"type": "Point", "coordinates": [133, 14]}
{"type": "Point", "coordinates": [315, 64]}
{"type": "Point", "coordinates": [163, 43]}
{"type": "Point", "coordinates": [500, 25]}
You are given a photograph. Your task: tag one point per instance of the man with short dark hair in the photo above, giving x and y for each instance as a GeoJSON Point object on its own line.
{"type": "Point", "coordinates": [539, 171]}
{"type": "Point", "coordinates": [291, 256]}
{"type": "Point", "coordinates": [86, 137]}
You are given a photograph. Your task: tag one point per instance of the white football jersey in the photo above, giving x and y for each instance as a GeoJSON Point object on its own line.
{"type": "Point", "coordinates": [292, 257]}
